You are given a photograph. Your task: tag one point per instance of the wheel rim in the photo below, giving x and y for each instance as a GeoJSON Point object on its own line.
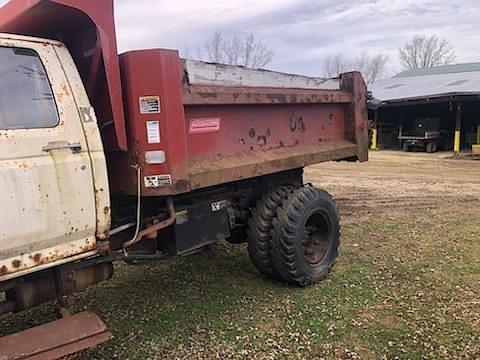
{"type": "Point", "coordinates": [316, 239]}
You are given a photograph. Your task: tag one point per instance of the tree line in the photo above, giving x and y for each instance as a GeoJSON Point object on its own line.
{"type": "Point", "coordinates": [420, 51]}
{"type": "Point", "coordinates": [245, 51]}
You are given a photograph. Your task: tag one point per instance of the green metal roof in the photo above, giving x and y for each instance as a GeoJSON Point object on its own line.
{"type": "Point", "coordinates": [438, 70]}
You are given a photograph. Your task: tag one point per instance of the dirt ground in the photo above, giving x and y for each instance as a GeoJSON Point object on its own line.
{"type": "Point", "coordinates": [394, 182]}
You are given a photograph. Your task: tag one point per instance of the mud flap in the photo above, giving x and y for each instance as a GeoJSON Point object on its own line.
{"type": "Point", "coordinates": [55, 340]}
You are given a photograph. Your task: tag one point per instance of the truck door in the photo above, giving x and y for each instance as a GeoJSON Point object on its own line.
{"type": "Point", "coordinates": [47, 200]}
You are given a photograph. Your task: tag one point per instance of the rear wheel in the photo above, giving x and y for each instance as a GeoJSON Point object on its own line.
{"type": "Point", "coordinates": [406, 147]}
{"type": "Point", "coordinates": [259, 233]}
{"type": "Point", "coordinates": [306, 236]}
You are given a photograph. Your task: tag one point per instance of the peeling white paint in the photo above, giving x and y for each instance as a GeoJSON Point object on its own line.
{"type": "Point", "coordinates": [203, 73]}
{"type": "Point", "coordinates": [48, 204]}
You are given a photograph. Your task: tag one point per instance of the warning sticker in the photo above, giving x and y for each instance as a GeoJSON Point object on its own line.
{"type": "Point", "coordinates": [153, 132]}
{"type": "Point", "coordinates": [149, 105]}
{"type": "Point", "coordinates": [157, 181]}
{"type": "Point", "coordinates": [204, 125]}
{"type": "Point", "coordinates": [219, 205]}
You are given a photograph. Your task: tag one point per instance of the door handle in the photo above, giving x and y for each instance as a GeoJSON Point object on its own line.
{"type": "Point", "coordinates": [61, 145]}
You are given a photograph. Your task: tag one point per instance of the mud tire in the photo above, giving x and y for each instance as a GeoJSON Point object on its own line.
{"type": "Point", "coordinates": [306, 236]}
{"type": "Point", "coordinates": [259, 232]}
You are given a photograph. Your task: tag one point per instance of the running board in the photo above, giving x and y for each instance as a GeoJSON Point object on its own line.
{"type": "Point", "coordinates": [55, 340]}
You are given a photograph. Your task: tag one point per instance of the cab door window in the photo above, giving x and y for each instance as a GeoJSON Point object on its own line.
{"type": "Point", "coordinates": [26, 97]}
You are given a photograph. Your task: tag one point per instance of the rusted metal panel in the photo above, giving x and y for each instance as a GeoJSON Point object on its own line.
{"type": "Point", "coordinates": [47, 265]}
{"type": "Point", "coordinates": [159, 82]}
{"type": "Point", "coordinates": [55, 340]}
{"type": "Point", "coordinates": [356, 112]}
{"type": "Point", "coordinates": [218, 95]}
{"type": "Point", "coordinates": [24, 262]}
{"type": "Point", "coordinates": [210, 171]}
{"type": "Point", "coordinates": [94, 141]}
{"type": "Point", "coordinates": [247, 128]}
{"type": "Point", "coordinates": [86, 27]}
{"type": "Point", "coordinates": [48, 211]}
{"type": "Point", "coordinates": [204, 73]}
{"type": "Point", "coordinates": [195, 124]}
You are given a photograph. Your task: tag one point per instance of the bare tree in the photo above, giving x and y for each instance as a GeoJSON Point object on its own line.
{"type": "Point", "coordinates": [185, 52]}
{"type": "Point", "coordinates": [248, 51]}
{"type": "Point", "coordinates": [213, 47]}
{"type": "Point", "coordinates": [232, 49]}
{"type": "Point", "coordinates": [371, 67]}
{"type": "Point", "coordinates": [423, 52]}
{"type": "Point", "coordinates": [334, 65]}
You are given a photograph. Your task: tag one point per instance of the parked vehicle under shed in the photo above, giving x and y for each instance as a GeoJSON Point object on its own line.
{"type": "Point", "coordinates": [402, 109]}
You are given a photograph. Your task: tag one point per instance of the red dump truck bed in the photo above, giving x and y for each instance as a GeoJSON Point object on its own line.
{"type": "Point", "coordinates": [191, 125]}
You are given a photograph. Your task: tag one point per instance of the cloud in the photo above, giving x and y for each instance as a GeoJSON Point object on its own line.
{"type": "Point", "coordinates": [302, 32]}
{"type": "Point", "coordinates": [149, 23]}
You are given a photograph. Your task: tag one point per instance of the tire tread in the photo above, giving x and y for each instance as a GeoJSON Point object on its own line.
{"type": "Point", "coordinates": [260, 229]}
{"type": "Point", "coordinates": [289, 216]}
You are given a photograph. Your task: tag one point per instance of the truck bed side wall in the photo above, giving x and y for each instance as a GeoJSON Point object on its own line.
{"type": "Point", "coordinates": [213, 135]}
{"type": "Point", "coordinates": [151, 74]}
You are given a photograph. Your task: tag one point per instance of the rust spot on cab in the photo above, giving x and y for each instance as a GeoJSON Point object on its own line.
{"type": "Point", "coordinates": [36, 258]}
{"type": "Point", "coordinates": [3, 270]}
{"type": "Point", "coordinates": [106, 210]}
{"type": "Point", "coordinates": [64, 92]}
{"type": "Point", "coordinates": [16, 263]}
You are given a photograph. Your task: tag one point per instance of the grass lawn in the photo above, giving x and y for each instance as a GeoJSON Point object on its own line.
{"type": "Point", "coordinates": [405, 287]}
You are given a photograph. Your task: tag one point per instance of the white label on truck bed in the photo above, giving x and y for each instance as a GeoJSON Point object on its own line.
{"type": "Point", "coordinates": [149, 105]}
{"type": "Point", "coordinates": [153, 132]}
{"type": "Point", "coordinates": [157, 181]}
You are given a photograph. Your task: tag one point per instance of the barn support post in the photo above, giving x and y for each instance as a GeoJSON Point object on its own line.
{"type": "Point", "coordinates": [458, 127]}
{"type": "Point", "coordinates": [401, 123]}
{"type": "Point", "coordinates": [374, 142]}
{"type": "Point", "coordinates": [478, 134]}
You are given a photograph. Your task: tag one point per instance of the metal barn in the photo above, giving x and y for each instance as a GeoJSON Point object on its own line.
{"type": "Point", "coordinates": [439, 104]}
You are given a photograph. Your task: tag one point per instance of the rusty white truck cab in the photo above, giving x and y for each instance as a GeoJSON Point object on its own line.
{"type": "Point", "coordinates": [54, 195]}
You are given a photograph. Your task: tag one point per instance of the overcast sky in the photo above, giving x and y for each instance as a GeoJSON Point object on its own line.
{"type": "Point", "coordinates": [302, 32]}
